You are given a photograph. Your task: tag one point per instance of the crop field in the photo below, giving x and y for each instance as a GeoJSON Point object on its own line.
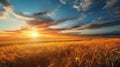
{"type": "Point", "coordinates": [84, 52]}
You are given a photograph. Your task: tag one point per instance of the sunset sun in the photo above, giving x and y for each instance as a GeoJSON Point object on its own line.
{"type": "Point", "coordinates": [34, 34]}
{"type": "Point", "coordinates": [31, 33]}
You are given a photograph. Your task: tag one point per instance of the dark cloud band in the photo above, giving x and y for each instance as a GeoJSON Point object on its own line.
{"type": "Point", "coordinates": [95, 26]}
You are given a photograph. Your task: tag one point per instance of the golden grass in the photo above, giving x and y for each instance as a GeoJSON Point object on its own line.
{"type": "Point", "coordinates": [102, 52]}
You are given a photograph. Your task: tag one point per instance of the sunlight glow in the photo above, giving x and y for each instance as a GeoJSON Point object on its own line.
{"type": "Point", "coordinates": [31, 34]}
{"type": "Point", "coordinates": [34, 34]}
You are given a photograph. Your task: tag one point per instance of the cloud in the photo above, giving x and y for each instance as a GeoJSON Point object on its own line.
{"type": "Point", "coordinates": [117, 12]}
{"type": "Point", "coordinates": [95, 26]}
{"type": "Point", "coordinates": [6, 5]}
{"type": "Point", "coordinates": [74, 22]}
{"type": "Point", "coordinates": [3, 14]}
{"type": "Point", "coordinates": [83, 5]}
{"type": "Point", "coordinates": [117, 33]}
{"type": "Point", "coordinates": [110, 3]}
{"type": "Point", "coordinates": [109, 34]}
{"type": "Point", "coordinates": [82, 16]}
{"type": "Point", "coordinates": [49, 23]}
{"type": "Point", "coordinates": [63, 1]}
{"type": "Point", "coordinates": [52, 13]}
{"type": "Point", "coordinates": [22, 16]}
{"type": "Point", "coordinates": [79, 4]}
{"type": "Point", "coordinates": [34, 16]}
{"type": "Point", "coordinates": [76, 30]}
{"type": "Point", "coordinates": [9, 9]}
{"type": "Point", "coordinates": [27, 13]}
{"type": "Point", "coordinates": [40, 23]}
{"type": "Point", "coordinates": [86, 4]}
{"type": "Point", "coordinates": [78, 7]}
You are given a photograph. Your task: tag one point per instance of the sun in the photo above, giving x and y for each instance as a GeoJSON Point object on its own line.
{"type": "Point", "coordinates": [31, 34]}
{"type": "Point", "coordinates": [34, 34]}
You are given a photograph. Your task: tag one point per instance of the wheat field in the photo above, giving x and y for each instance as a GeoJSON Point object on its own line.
{"type": "Point", "coordinates": [87, 52]}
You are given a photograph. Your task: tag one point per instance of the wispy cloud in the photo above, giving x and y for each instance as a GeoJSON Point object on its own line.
{"type": "Point", "coordinates": [52, 12]}
{"type": "Point", "coordinates": [110, 3]}
{"type": "Point", "coordinates": [9, 9]}
{"type": "Point", "coordinates": [100, 25]}
{"type": "Point", "coordinates": [3, 14]}
{"type": "Point", "coordinates": [79, 4]}
{"type": "Point", "coordinates": [63, 1]}
{"type": "Point", "coordinates": [6, 5]}
{"type": "Point", "coordinates": [86, 4]}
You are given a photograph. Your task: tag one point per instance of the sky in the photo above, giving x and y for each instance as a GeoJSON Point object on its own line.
{"type": "Point", "coordinates": [71, 17]}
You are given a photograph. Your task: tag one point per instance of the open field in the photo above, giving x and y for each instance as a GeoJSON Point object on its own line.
{"type": "Point", "coordinates": [86, 52]}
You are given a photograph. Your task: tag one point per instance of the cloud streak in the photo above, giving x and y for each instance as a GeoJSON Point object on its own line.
{"type": "Point", "coordinates": [9, 9]}
{"type": "Point", "coordinates": [79, 4]}
{"type": "Point", "coordinates": [101, 25]}
{"type": "Point", "coordinates": [3, 14]}
{"type": "Point", "coordinates": [6, 5]}
{"type": "Point", "coordinates": [110, 3]}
